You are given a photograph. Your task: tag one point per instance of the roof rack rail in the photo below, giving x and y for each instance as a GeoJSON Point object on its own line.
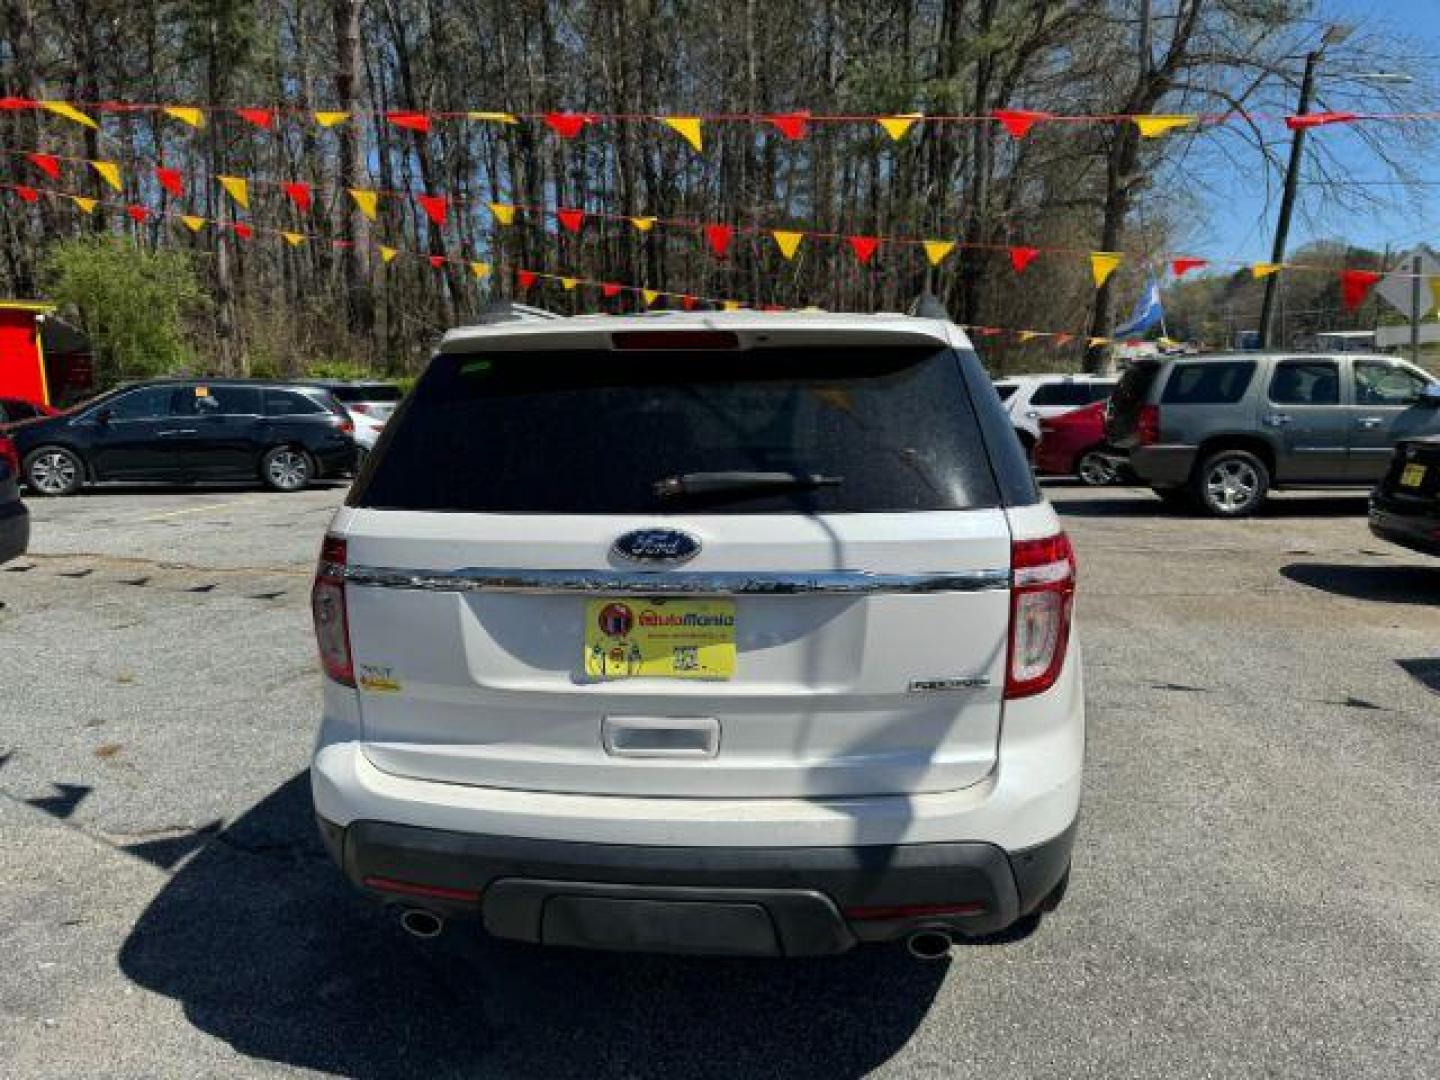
{"type": "Point", "coordinates": [503, 311]}
{"type": "Point", "coordinates": [928, 306]}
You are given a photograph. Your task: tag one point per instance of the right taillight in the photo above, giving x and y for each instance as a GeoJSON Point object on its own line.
{"type": "Point", "coordinates": [1147, 430]}
{"type": "Point", "coordinates": [1042, 593]}
{"type": "Point", "coordinates": [327, 605]}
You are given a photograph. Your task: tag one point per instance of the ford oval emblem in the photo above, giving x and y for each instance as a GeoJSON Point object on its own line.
{"type": "Point", "coordinates": [657, 545]}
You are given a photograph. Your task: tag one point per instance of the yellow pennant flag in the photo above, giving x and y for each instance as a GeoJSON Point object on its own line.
{"type": "Point", "coordinates": [1435, 291]}
{"type": "Point", "coordinates": [1028, 335]}
{"type": "Point", "coordinates": [731, 305]}
{"type": "Point", "coordinates": [504, 213]}
{"type": "Point", "coordinates": [109, 172]}
{"type": "Point", "coordinates": [1096, 342]}
{"type": "Point", "coordinates": [366, 200]}
{"type": "Point", "coordinates": [897, 126]}
{"type": "Point", "coordinates": [238, 188]}
{"type": "Point", "coordinates": [688, 127]}
{"type": "Point", "coordinates": [1102, 265]}
{"type": "Point", "coordinates": [330, 119]}
{"type": "Point", "coordinates": [1260, 270]}
{"type": "Point", "coordinates": [937, 250]}
{"type": "Point", "coordinates": [494, 117]}
{"type": "Point", "coordinates": [569, 283]}
{"type": "Point", "coordinates": [186, 115]}
{"type": "Point", "coordinates": [643, 224]}
{"type": "Point", "coordinates": [69, 112]}
{"type": "Point", "coordinates": [294, 239]}
{"type": "Point", "coordinates": [86, 205]}
{"type": "Point", "coordinates": [649, 296]}
{"type": "Point", "coordinates": [787, 242]}
{"type": "Point", "coordinates": [387, 254]}
{"type": "Point", "coordinates": [194, 224]}
{"type": "Point", "coordinates": [480, 269]}
{"type": "Point", "coordinates": [1154, 126]}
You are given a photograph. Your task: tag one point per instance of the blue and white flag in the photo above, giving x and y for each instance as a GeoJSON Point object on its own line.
{"type": "Point", "coordinates": [1148, 313]}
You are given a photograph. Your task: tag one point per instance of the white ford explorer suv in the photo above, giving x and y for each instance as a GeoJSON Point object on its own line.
{"type": "Point", "coordinates": [736, 633]}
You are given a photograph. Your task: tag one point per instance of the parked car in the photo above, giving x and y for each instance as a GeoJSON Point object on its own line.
{"type": "Point", "coordinates": [1222, 431]}
{"type": "Point", "coordinates": [1405, 506]}
{"type": "Point", "coordinates": [190, 430]}
{"type": "Point", "coordinates": [1074, 444]}
{"type": "Point", "coordinates": [710, 648]}
{"type": "Point", "coordinates": [14, 518]}
{"type": "Point", "coordinates": [13, 410]}
{"type": "Point", "coordinates": [1032, 398]}
{"type": "Point", "coordinates": [371, 398]}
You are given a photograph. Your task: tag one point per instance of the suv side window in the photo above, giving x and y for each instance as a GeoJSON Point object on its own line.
{"type": "Point", "coordinates": [1212, 382]}
{"type": "Point", "coordinates": [1306, 382]}
{"type": "Point", "coordinates": [1073, 394]}
{"type": "Point", "coordinates": [290, 403]}
{"type": "Point", "coordinates": [1379, 383]}
{"type": "Point", "coordinates": [149, 403]}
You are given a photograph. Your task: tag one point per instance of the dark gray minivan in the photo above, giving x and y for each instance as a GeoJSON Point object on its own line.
{"type": "Point", "coordinates": [1220, 431]}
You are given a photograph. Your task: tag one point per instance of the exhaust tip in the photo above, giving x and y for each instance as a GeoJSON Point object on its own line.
{"type": "Point", "coordinates": [929, 944]}
{"type": "Point", "coordinates": [421, 924]}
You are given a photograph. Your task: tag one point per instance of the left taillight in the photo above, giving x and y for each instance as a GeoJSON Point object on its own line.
{"type": "Point", "coordinates": [1042, 593]}
{"type": "Point", "coordinates": [327, 605]}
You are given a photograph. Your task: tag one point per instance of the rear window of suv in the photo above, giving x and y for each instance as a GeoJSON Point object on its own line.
{"type": "Point", "coordinates": [1213, 382]}
{"type": "Point", "coordinates": [594, 432]}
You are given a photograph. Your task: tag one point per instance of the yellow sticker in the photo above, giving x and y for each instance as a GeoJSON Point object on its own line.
{"type": "Point", "coordinates": [378, 680]}
{"type": "Point", "coordinates": [202, 391]}
{"type": "Point", "coordinates": [635, 637]}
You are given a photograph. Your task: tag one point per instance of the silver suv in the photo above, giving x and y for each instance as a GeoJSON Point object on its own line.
{"type": "Point", "coordinates": [1221, 431]}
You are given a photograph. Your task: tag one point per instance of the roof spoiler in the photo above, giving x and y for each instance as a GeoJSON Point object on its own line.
{"type": "Point", "coordinates": [928, 306]}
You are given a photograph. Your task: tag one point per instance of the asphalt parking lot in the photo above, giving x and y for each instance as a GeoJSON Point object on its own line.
{"type": "Point", "coordinates": [1256, 892]}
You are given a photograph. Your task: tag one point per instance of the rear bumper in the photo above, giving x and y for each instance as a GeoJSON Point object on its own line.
{"type": "Point", "coordinates": [1413, 530]}
{"type": "Point", "coordinates": [1161, 465]}
{"type": "Point", "coordinates": [337, 459]}
{"type": "Point", "coordinates": [14, 530]}
{"type": "Point", "coordinates": [728, 901]}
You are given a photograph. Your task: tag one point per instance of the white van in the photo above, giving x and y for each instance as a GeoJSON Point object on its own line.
{"type": "Point", "coordinates": [734, 633]}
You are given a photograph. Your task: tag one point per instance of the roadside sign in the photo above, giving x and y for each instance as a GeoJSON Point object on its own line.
{"type": "Point", "coordinates": [1396, 288]}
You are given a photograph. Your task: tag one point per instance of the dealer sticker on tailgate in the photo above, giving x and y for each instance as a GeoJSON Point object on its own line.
{"type": "Point", "coordinates": [632, 637]}
{"type": "Point", "coordinates": [1412, 476]}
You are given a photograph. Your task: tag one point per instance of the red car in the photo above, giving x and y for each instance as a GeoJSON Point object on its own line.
{"type": "Point", "coordinates": [1073, 444]}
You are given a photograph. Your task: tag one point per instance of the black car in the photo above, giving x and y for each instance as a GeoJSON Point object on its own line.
{"type": "Point", "coordinates": [190, 430]}
{"type": "Point", "coordinates": [1405, 506]}
{"type": "Point", "coordinates": [14, 518]}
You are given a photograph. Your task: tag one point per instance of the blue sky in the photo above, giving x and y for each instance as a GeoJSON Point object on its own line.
{"type": "Point", "coordinates": [1239, 204]}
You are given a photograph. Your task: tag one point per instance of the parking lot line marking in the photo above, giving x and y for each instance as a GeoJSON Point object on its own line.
{"type": "Point", "coordinates": [186, 510]}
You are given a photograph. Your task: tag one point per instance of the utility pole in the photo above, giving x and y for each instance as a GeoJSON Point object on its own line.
{"type": "Point", "coordinates": [1415, 266]}
{"type": "Point", "coordinates": [1287, 198]}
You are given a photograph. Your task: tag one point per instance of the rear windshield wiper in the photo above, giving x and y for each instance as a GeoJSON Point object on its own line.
{"type": "Point", "coordinates": [715, 483]}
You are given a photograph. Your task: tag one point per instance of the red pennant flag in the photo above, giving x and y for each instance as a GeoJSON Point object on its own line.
{"type": "Point", "coordinates": [719, 237]}
{"type": "Point", "coordinates": [243, 231]}
{"type": "Point", "coordinates": [1063, 339]}
{"type": "Point", "coordinates": [299, 194]}
{"type": "Point", "coordinates": [1319, 119]}
{"type": "Point", "coordinates": [49, 164]}
{"type": "Point", "coordinates": [410, 121]}
{"type": "Point", "coordinates": [1021, 257]}
{"type": "Point", "coordinates": [437, 261]}
{"type": "Point", "coordinates": [571, 219]}
{"type": "Point", "coordinates": [435, 207]}
{"type": "Point", "coordinates": [1181, 267]}
{"type": "Point", "coordinates": [261, 118]}
{"type": "Point", "coordinates": [170, 180]}
{"type": "Point", "coordinates": [1018, 122]}
{"type": "Point", "coordinates": [773, 307]}
{"type": "Point", "coordinates": [10, 104]}
{"type": "Point", "coordinates": [609, 290]}
{"type": "Point", "coordinates": [566, 125]}
{"type": "Point", "coordinates": [1355, 285]}
{"type": "Point", "coordinates": [863, 246]}
{"type": "Point", "coordinates": [137, 214]}
{"type": "Point", "coordinates": [989, 331]}
{"type": "Point", "coordinates": [525, 278]}
{"type": "Point", "coordinates": [27, 194]}
{"type": "Point", "coordinates": [688, 302]}
{"type": "Point", "coordinates": [791, 125]}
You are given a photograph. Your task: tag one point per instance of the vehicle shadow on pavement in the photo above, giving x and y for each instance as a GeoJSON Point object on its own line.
{"type": "Point", "coordinates": [1386, 584]}
{"type": "Point", "coordinates": [1130, 504]}
{"type": "Point", "coordinates": [236, 487]}
{"type": "Point", "coordinates": [265, 946]}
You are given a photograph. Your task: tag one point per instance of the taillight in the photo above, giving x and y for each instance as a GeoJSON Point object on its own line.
{"type": "Point", "coordinates": [347, 425]}
{"type": "Point", "coordinates": [327, 605]}
{"type": "Point", "coordinates": [10, 455]}
{"type": "Point", "coordinates": [1147, 429]}
{"type": "Point", "coordinates": [1042, 593]}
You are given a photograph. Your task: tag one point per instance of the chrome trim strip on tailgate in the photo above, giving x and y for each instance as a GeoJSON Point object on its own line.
{"type": "Point", "coordinates": [662, 583]}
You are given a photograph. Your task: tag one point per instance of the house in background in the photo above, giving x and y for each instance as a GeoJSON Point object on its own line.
{"type": "Point", "coordinates": [43, 359]}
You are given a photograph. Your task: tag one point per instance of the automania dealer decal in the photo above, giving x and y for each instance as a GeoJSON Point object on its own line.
{"type": "Point", "coordinates": [690, 618]}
